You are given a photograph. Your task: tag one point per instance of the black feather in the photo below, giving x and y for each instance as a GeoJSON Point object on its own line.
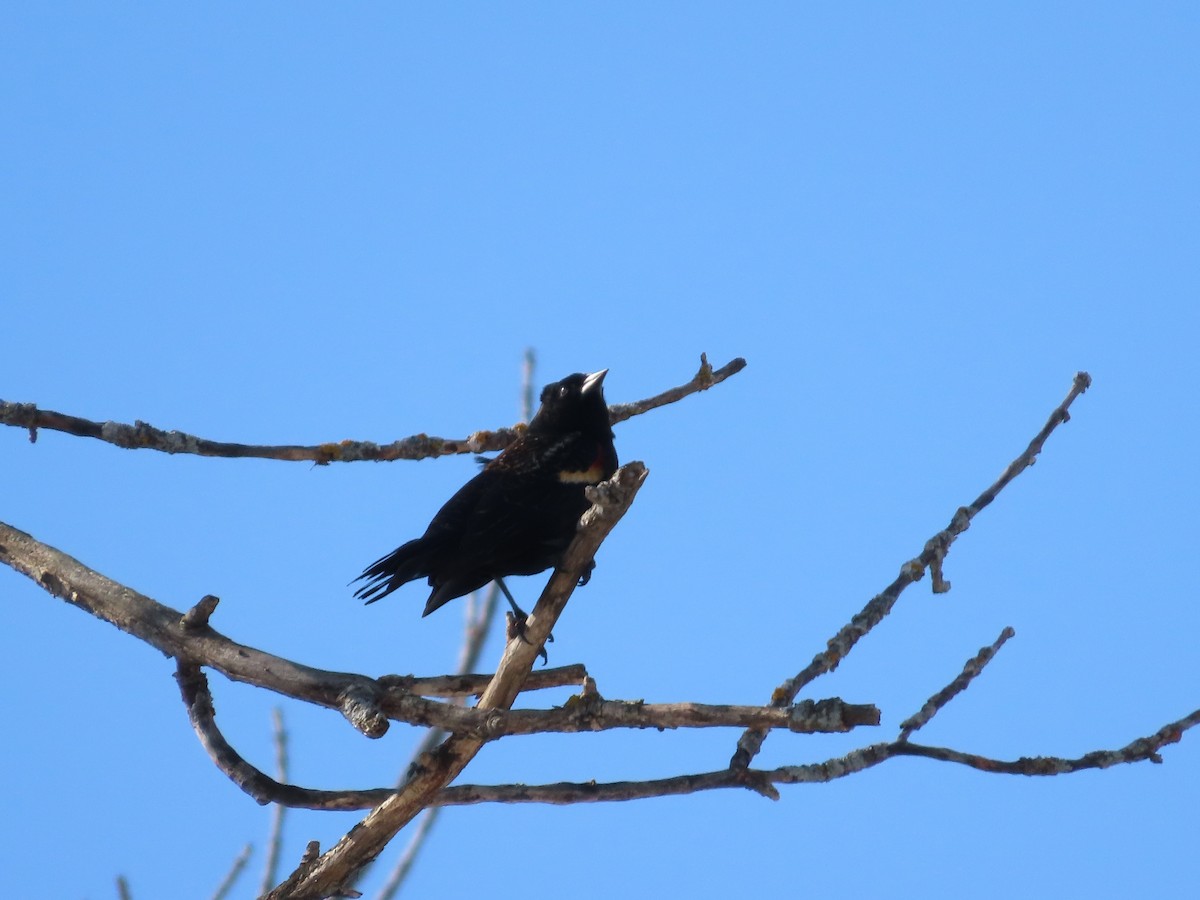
{"type": "Point", "coordinates": [517, 516]}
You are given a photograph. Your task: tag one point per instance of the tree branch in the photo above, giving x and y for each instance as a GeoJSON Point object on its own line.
{"type": "Point", "coordinates": [704, 378]}
{"type": "Point", "coordinates": [970, 672]}
{"type": "Point", "coordinates": [610, 500]}
{"type": "Point", "coordinates": [472, 685]}
{"type": "Point", "coordinates": [275, 835]}
{"type": "Point", "coordinates": [931, 558]}
{"type": "Point", "coordinates": [235, 871]}
{"type": "Point", "coordinates": [1140, 750]}
{"type": "Point", "coordinates": [425, 822]}
{"type": "Point", "coordinates": [808, 717]}
{"type": "Point", "coordinates": [477, 625]}
{"type": "Point", "coordinates": [366, 702]}
{"type": "Point", "coordinates": [142, 436]}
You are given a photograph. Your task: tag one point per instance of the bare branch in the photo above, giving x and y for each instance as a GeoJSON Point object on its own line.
{"type": "Point", "coordinates": [142, 436]}
{"type": "Point", "coordinates": [705, 378]}
{"type": "Point", "coordinates": [478, 624]}
{"type": "Point", "coordinates": [368, 703]}
{"type": "Point", "coordinates": [1144, 749]}
{"type": "Point", "coordinates": [970, 671]}
{"type": "Point", "coordinates": [275, 835]}
{"type": "Point", "coordinates": [931, 557]}
{"type": "Point", "coordinates": [362, 700]}
{"type": "Point", "coordinates": [231, 877]}
{"type": "Point", "coordinates": [193, 687]}
{"type": "Point", "coordinates": [1141, 750]}
{"type": "Point", "coordinates": [592, 713]}
{"type": "Point", "coordinates": [197, 617]}
{"type": "Point", "coordinates": [365, 702]}
{"type": "Point", "coordinates": [435, 770]}
{"type": "Point", "coordinates": [452, 686]}
{"type": "Point", "coordinates": [474, 635]}
{"type": "Point", "coordinates": [588, 712]}
{"type": "Point", "coordinates": [528, 366]}
{"type": "Point", "coordinates": [810, 716]}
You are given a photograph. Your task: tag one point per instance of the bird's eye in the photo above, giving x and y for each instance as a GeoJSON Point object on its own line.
{"type": "Point", "coordinates": [563, 391]}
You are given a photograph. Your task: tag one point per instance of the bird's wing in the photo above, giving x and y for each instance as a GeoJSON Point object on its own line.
{"type": "Point", "coordinates": [515, 505]}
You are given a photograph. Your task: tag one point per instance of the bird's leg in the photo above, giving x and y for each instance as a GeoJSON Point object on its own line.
{"type": "Point", "coordinates": [517, 611]}
{"type": "Point", "coordinates": [519, 617]}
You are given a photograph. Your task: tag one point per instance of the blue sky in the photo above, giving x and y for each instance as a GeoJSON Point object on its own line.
{"type": "Point", "coordinates": [294, 223]}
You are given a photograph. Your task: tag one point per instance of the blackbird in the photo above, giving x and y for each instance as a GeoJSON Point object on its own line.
{"type": "Point", "coordinates": [517, 516]}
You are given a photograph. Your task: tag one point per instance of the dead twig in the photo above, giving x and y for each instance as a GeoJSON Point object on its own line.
{"type": "Point", "coordinates": [235, 871]}
{"type": "Point", "coordinates": [931, 557]}
{"type": "Point", "coordinates": [1144, 749]}
{"type": "Point", "coordinates": [275, 835]}
{"type": "Point", "coordinates": [143, 436]}
{"type": "Point", "coordinates": [970, 672]}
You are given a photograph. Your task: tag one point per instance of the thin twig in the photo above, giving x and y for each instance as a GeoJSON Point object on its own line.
{"type": "Point", "coordinates": [275, 835]}
{"type": "Point", "coordinates": [528, 367]}
{"type": "Point", "coordinates": [123, 892]}
{"type": "Point", "coordinates": [931, 557]}
{"type": "Point", "coordinates": [592, 712]}
{"type": "Point", "coordinates": [970, 671]}
{"type": "Point", "coordinates": [143, 436]}
{"type": "Point", "coordinates": [704, 378]}
{"type": "Point", "coordinates": [231, 877]}
{"type": "Point", "coordinates": [1145, 749]}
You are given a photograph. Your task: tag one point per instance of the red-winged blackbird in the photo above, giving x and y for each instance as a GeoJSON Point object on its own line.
{"type": "Point", "coordinates": [518, 515]}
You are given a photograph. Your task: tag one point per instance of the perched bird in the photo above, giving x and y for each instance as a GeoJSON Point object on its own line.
{"type": "Point", "coordinates": [517, 516]}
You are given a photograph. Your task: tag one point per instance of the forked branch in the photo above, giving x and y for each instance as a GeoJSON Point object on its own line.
{"type": "Point", "coordinates": [931, 557]}
{"type": "Point", "coordinates": [335, 868]}
{"type": "Point", "coordinates": [143, 436]}
{"type": "Point", "coordinates": [369, 703]}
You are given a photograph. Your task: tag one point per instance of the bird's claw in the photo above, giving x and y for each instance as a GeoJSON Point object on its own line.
{"type": "Point", "coordinates": [516, 629]}
{"type": "Point", "coordinates": [517, 619]}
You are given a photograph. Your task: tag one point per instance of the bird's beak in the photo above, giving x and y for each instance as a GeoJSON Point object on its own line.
{"type": "Point", "coordinates": [593, 381]}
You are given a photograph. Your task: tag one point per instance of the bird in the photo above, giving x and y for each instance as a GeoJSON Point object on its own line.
{"type": "Point", "coordinates": [517, 515]}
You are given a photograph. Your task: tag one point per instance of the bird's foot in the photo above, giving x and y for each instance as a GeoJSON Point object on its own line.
{"type": "Point", "coordinates": [516, 629]}
{"type": "Point", "coordinates": [587, 574]}
{"type": "Point", "coordinates": [516, 621]}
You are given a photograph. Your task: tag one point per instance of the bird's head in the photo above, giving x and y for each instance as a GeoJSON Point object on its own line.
{"type": "Point", "coordinates": [574, 404]}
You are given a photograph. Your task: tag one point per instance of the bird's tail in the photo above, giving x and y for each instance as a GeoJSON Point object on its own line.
{"type": "Point", "coordinates": [404, 564]}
